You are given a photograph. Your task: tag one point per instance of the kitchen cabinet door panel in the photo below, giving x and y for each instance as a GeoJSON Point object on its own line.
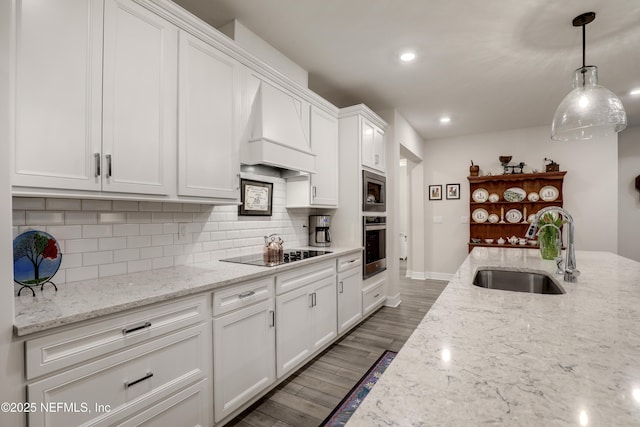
{"type": "Point", "coordinates": [57, 81]}
{"type": "Point", "coordinates": [140, 89]}
{"type": "Point", "coordinates": [349, 298]}
{"type": "Point", "coordinates": [324, 313]}
{"type": "Point", "coordinates": [209, 110]}
{"type": "Point", "coordinates": [293, 322]}
{"type": "Point", "coordinates": [324, 143]}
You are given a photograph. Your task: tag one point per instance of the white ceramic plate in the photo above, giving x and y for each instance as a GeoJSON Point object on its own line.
{"type": "Point", "coordinates": [493, 218]}
{"type": "Point", "coordinates": [514, 194]}
{"type": "Point", "coordinates": [513, 216]}
{"type": "Point", "coordinates": [549, 193]}
{"type": "Point", "coordinates": [533, 196]}
{"type": "Point", "coordinates": [480, 215]}
{"type": "Point", "coordinates": [480, 195]}
{"type": "Point", "coordinates": [493, 197]}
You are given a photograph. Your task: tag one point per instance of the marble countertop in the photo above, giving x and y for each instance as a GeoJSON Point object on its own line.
{"type": "Point", "coordinates": [78, 301]}
{"type": "Point", "coordinates": [492, 357]}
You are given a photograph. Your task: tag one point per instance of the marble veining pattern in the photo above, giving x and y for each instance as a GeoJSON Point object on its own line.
{"type": "Point", "coordinates": [89, 299]}
{"type": "Point", "coordinates": [493, 357]}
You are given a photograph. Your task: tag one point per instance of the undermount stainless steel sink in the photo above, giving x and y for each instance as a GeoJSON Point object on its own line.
{"type": "Point", "coordinates": [518, 281]}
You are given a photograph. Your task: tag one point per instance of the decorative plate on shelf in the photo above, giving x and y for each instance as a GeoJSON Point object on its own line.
{"type": "Point", "coordinates": [513, 216]}
{"type": "Point", "coordinates": [549, 193]}
{"type": "Point", "coordinates": [494, 218]}
{"type": "Point", "coordinates": [480, 215]}
{"type": "Point", "coordinates": [533, 196]}
{"type": "Point", "coordinates": [493, 197]}
{"type": "Point", "coordinates": [36, 258]}
{"type": "Point", "coordinates": [514, 194]}
{"type": "Point", "coordinates": [480, 195]}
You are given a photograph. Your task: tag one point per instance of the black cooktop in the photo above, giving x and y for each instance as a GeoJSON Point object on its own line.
{"type": "Point", "coordinates": [290, 255]}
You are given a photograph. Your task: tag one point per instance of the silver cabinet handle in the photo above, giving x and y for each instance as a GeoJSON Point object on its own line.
{"type": "Point", "coordinates": [310, 300]}
{"type": "Point", "coordinates": [377, 159]}
{"type": "Point", "coordinates": [108, 165]}
{"type": "Point", "coordinates": [126, 331]}
{"type": "Point", "coordinates": [96, 158]}
{"type": "Point", "coordinates": [376, 295]}
{"type": "Point", "coordinates": [238, 186]}
{"type": "Point", "coordinates": [314, 299]}
{"type": "Point", "coordinates": [341, 287]}
{"type": "Point", "coordinates": [314, 191]}
{"type": "Point", "coordinates": [146, 377]}
{"type": "Point", "coordinates": [246, 294]}
{"type": "Point", "coordinates": [272, 313]}
{"type": "Point", "coordinates": [353, 260]}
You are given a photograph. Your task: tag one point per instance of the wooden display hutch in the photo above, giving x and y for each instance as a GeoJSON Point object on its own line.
{"type": "Point", "coordinates": [497, 184]}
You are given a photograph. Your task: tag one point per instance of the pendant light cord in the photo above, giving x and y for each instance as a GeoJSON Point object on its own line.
{"type": "Point", "coordinates": [584, 44]}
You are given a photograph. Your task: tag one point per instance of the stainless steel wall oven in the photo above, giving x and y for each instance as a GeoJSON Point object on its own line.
{"type": "Point", "coordinates": [374, 194]}
{"type": "Point", "coordinates": [375, 245]}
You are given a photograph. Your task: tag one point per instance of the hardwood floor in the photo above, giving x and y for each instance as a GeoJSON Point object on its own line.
{"type": "Point", "coordinates": [309, 395]}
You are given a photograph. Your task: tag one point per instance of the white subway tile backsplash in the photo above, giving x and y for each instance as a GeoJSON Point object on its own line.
{"type": "Point", "coordinates": [112, 217]}
{"type": "Point", "coordinates": [111, 243]}
{"type": "Point", "coordinates": [63, 232]}
{"type": "Point", "coordinates": [138, 241]}
{"type": "Point", "coordinates": [125, 205]}
{"type": "Point", "coordinates": [63, 204]}
{"type": "Point", "coordinates": [126, 229]}
{"type": "Point", "coordinates": [140, 265]}
{"type": "Point", "coordinates": [28, 203]}
{"type": "Point", "coordinates": [81, 273]}
{"type": "Point", "coordinates": [125, 255]}
{"type": "Point", "coordinates": [96, 205]}
{"type": "Point", "coordinates": [80, 218]}
{"type": "Point", "coordinates": [101, 238]}
{"type": "Point", "coordinates": [41, 218]}
{"type": "Point", "coordinates": [100, 230]}
{"type": "Point", "coordinates": [75, 246]}
{"type": "Point", "coordinates": [97, 258]}
{"type": "Point", "coordinates": [150, 206]}
{"type": "Point", "coordinates": [107, 270]}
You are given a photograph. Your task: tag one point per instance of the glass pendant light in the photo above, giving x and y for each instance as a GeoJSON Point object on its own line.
{"type": "Point", "coordinates": [589, 110]}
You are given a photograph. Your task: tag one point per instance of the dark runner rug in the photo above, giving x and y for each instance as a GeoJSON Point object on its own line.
{"type": "Point", "coordinates": [341, 414]}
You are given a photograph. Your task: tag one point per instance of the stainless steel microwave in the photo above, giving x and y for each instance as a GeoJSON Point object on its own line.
{"type": "Point", "coordinates": [374, 194]}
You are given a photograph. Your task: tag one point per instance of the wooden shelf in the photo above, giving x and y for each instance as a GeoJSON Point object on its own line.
{"type": "Point", "coordinates": [529, 182]}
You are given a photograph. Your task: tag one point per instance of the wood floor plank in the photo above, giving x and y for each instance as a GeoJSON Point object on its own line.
{"type": "Point", "coordinates": [310, 394]}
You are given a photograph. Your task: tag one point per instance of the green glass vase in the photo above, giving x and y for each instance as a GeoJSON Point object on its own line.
{"type": "Point", "coordinates": [549, 243]}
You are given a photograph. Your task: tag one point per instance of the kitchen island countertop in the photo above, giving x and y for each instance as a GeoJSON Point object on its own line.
{"type": "Point", "coordinates": [492, 357]}
{"type": "Point", "coordinates": [79, 301]}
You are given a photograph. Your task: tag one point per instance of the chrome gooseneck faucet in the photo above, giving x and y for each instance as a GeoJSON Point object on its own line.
{"type": "Point", "coordinates": [570, 272]}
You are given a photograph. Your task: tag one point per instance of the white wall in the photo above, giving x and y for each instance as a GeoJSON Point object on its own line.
{"type": "Point", "coordinates": [590, 187]}
{"type": "Point", "coordinates": [11, 365]}
{"type": "Point", "coordinates": [629, 201]}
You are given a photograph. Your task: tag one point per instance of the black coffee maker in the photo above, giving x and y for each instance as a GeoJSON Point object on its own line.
{"type": "Point", "coordinates": [319, 234]}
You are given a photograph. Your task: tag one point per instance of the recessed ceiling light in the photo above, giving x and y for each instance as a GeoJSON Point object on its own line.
{"type": "Point", "coordinates": [635, 92]}
{"type": "Point", "coordinates": [445, 119]}
{"type": "Point", "coordinates": [408, 56]}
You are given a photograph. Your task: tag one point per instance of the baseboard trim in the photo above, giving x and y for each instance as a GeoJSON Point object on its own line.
{"type": "Point", "coordinates": [428, 275]}
{"type": "Point", "coordinates": [393, 301]}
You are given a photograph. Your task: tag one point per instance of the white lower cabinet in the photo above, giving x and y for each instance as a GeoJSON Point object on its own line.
{"type": "Point", "coordinates": [243, 344]}
{"type": "Point", "coordinates": [115, 386]}
{"type": "Point", "coordinates": [373, 294]}
{"type": "Point", "coordinates": [306, 315]}
{"type": "Point", "coordinates": [349, 291]}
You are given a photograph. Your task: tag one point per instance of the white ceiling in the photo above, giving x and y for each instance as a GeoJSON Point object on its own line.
{"type": "Point", "coordinates": [491, 64]}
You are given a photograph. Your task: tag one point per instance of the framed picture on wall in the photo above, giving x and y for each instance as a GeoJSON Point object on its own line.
{"type": "Point", "coordinates": [453, 191]}
{"type": "Point", "coordinates": [435, 192]}
{"type": "Point", "coordinates": [256, 198]}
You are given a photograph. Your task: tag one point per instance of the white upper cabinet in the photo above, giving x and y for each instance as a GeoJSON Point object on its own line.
{"type": "Point", "coordinates": [372, 146]}
{"type": "Point", "coordinates": [57, 81]}
{"type": "Point", "coordinates": [319, 189]}
{"type": "Point", "coordinates": [209, 102]}
{"type": "Point", "coordinates": [140, 86]}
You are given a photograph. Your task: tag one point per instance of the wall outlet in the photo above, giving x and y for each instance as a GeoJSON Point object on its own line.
{"type": "Point", "coordinates": [182, 230]}
{"type": "Point", "coordinates": [437, 220]}
{"type": "Point", "coordinates": [464, 220]}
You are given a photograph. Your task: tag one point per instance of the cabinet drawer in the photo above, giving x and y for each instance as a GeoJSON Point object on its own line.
{"type": "Point", "coordinates": [63, 349]}
{"type": "Point", "coordinates": [349, 261]}
{"type": "Point", "coordinates": [242, 295]}
{"type": "Point", "coordinates": [373, 296]}
{"type": "Point", "coordinates": [303, 276]}
{"type": "Point", "coordinates": [124, 382]}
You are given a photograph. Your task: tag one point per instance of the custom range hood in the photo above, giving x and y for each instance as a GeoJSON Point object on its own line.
{"type": "Point", "coordinates": [277, 135]}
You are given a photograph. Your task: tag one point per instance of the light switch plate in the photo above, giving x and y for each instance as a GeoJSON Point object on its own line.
{"type": "Point", "coordinates": [464, 220]}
